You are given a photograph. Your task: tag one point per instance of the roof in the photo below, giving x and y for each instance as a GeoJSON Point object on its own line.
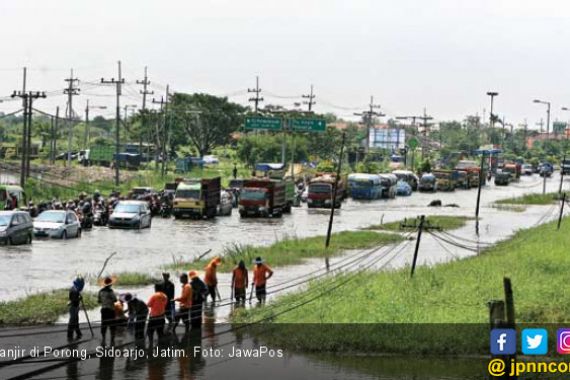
{"type": "Point", "coordinates": [189, 186]}
{"type": "Point", "coordinates": [132, 202]}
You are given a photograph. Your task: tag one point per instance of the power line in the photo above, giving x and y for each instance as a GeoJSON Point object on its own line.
{"type": "Point", "coordinates": [144, 92]}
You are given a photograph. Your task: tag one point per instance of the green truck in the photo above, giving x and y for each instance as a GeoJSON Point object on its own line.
{"type": "Point", "coordinates": [101, 155]}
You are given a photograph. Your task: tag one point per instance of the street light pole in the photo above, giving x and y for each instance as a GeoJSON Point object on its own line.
{"type": "Point", "coordinates": [547, 115]}
{"type": "Point", "coordinates": [492, 94]}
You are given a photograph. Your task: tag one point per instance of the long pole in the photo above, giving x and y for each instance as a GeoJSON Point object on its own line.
{"type": "Point", "coordinates": [86, 137]}
{"type": "Point", "coordinates": [117, 129]}
{"type": "Point", "coordinates": [333, 201]}
{"type": "Point", "coordinates": [561, 174]}
{"type": "Point", "coordinates": [481, 179]}
{"type": "Point", "coordinates": [24, 142]}
{"type": "Point", "coordinates": [87, 317]}
{"type": "Point", "coordinates": [561, 210]}
{"type": "Point", "coordinates": [55, 133]}
{"type": "Point", "coordinates": [29, 137]}
{"type": "Point", "coordinates": [420, 229]}
{"type": "Point", "coordinates": [548, 120]}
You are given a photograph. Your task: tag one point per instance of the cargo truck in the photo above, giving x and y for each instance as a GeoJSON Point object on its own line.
{"type": "Point", "coordinates": [321, 189]}
{"type": "Point", "coordinates": [197, 198]}
{"type": "Point", "coordinates": [277, 171]}
{"type": "Point", "coordinates": [262, 197]}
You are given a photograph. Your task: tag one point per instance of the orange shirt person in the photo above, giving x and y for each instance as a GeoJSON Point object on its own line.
{"type": "Point", "coordinates": [210, 278]}
{"type": "Point", "coordinates": [240, 281]}
{"type": "Point", "coordinates": [261, 273]}
{"type": "Point", "coordinates": [185, 301]}
{"type": "Point", "coordinates": [157, 305]}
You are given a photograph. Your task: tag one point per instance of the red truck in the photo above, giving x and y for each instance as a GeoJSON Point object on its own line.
{"type": "Point", "coordinates": [321, 189]}
{"type": "Point", "coordinates": [262, 197]}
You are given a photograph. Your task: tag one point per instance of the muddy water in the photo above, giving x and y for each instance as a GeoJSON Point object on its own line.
{"type": "Point", "coordinates": [50, 264]}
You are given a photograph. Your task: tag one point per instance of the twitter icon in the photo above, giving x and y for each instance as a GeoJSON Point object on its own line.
{"type": "Point", "coordinates": [534, 342]}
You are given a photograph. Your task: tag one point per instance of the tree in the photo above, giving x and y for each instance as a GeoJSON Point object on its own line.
{"type": "Point", "coordinates": [207, 120]}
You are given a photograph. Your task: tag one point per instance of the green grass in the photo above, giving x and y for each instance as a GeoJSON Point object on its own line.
{"type": "Point", "coordinates": [130, 279]}
{"type": "Point", "coordinates": [445, 222]}
{"type": "Point", "coordinates": [295, 250]}
{"type": "Point", "coordinates": [454, 293]}
{"type": "Point", "coordinates": [531, 199]}
{"type": "Point", "coordinates": [41, 308]}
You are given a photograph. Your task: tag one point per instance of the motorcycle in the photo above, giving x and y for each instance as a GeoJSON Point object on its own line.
{"type": "Point", "coordinates": [87, 217]}
{"type": "Point", "coordinates": [100, 217]}
{"type": "Point", "coordinates": [165, 210]}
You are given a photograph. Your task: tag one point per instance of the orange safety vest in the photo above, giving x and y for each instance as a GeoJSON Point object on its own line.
{"type": "Point", "coordinates": [240, 277]}
{"type": "Point", "coordinates": [260, 274]}
{"type": "Point", "coordinates": [157, 304]}
{"type": "Point", "coordinates": [185, 298]}
{"type": "Point", "coordinates": [210, 277]}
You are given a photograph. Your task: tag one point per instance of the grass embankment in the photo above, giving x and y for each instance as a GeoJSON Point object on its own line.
{"type": "Point", "coordinates": [455, 293]}
{"type": "Point", "coordinates": [530, 199]}
{"type": "Point", "coordinates": [295, 250]}
{"type": "Point", "coordinates": [41, 308]}
{"type": "Point", "coordinates": [127, 279]}
{"type": "Point", "coordinates": [445, 222]}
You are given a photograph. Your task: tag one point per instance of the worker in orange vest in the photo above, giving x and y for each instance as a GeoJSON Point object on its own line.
{"type": "Point", "coordinates": [261, 273]}
{"type": "Point", "coordinates": [185, 301]}
{"type": "Point", "coordinates": [210, 277]}
{"type": "Point", "coordinates": [157, 306]}
{"type": "Point", "coordinates": [239, 282]}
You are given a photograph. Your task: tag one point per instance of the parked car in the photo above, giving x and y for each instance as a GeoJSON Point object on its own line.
{"type": "Point", "coordinates": [428, 182]}
{"type": "Point", "coordinates": [226, 203]}
{"type": "Point", "coordinates": [58, 224]}
{"type": "Point", "coordinates": [130, 214]}
{"type": "Point", "coordinates": [403, 188]}
{"type": "Point", "coordinates": [15, 227]}
{"type": "Point", "coordinates": [210, 160]}
{"type": "Point", "coordinates": [527, 169]}
{"type": "Point", "coordinates": [409, 177]}
{"type": "Point", "coordinates": [546, 169]}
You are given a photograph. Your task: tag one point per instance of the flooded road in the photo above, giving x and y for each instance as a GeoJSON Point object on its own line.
{"type": "Point", "coordinates": [50, 264]}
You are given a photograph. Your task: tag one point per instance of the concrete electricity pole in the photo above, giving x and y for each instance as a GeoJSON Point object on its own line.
{"type": "Point", "coordinates": [426, 127]}
{"type": "Point", "coordinates": [144, 92]}
{"type": "Point", "coordinates": [368, 119]}
{"type": "Point", "coordinates": [310, 102]}
{"type": "Point", "coordinates": [119, 82]}
{"type": "Point", "coordinates": [164, 101]}
{"type": "Point", "coordinates": [70, 91]}
{"type": "Point", "coordinates": [28, 99]}
{"type": "Point", "coordinates": [256, 99]}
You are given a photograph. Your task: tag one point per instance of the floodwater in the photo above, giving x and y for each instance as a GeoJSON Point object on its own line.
{"type": "Point", "coordinates": [51, 264]}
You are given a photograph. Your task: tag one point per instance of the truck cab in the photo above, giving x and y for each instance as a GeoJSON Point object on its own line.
{"type": "Point", "coordinates": [198, 198]}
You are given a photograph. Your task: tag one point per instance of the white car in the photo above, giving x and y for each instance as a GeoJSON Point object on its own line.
{"type": "Point", "coordinates": [210, 160]}
{"type": "Point", "coordinates": [527, 169]}
{"type": "Point", "coordinates": [59, 224]}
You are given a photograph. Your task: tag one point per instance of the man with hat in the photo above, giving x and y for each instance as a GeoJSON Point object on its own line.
{"type": "Point", "coordinates": [210, 277]}
{"type": "Point", "coordinates": [107, 299]}
{"type": "Point", "coordinates": [138, 311]}
{"type": "Point", "coordinates": [261, 273]}
{"type": "Point", "coordinates": [74, 307]}
{"type": "Point", "coordinates": [199, 293]}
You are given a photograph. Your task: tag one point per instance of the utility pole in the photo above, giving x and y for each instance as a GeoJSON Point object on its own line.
{"type": "Point", "coordinates": [333, 201]}
{"type": "Point", "coordinates": [561, 174]}
{"type": "Point", "coordinates": [541, 125]}
{"type": "Point", "coordinates": [563, 200]}
{"type": "Point", "coordinates": [144, 92]}
{"type": "Point", "coordinates": [421, 226]}
{"type": "Point", "coordinates": [481, 179]}
{"type": "Point", "coordinates": [256, 99]}
{"type": "Point", "coordinates": [164, 101]}
{"type": "Point", "coordinates": [70, 91]}
{"type": "Point", "coordinates": [426, 127]}
{"type": "Point", "coordinates": [310, 102]}
{"type": "Point", "coordinates": [492, 94]}
{"type": "Point", "coordinates": [368, 119]}
{"type": "Point", "coordinates": [28, 99]}
{"type": "Point", "coordinates": [119, 82]}
{"type": "Point", "coordinates": [54, 135]}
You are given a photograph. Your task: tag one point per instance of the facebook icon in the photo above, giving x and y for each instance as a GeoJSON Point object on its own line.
{"type": "Point", "coordinates": [503, 341]}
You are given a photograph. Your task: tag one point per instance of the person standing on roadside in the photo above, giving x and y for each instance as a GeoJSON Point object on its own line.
{"type": "Point", "coordinates": [157, 305]}
{"type": "Point", "coordinates": [75, 298]}
{"type": "Point", "coordinates": [185, 301]}
{"type": "Point", "coordinates": [199, 294]}
{"type": "Point", "coordinates": [211, 278]}
{"type": "Point", "coordinates": [169, 289]}
{"type": "Point", "coordinates": [138, 311]}
{"type": "Point", "coordinates": [239, 282]}
{"type": "Point", "coordinates": [261, 273]}
{"type": "Point", "coordinates": [107, 299]}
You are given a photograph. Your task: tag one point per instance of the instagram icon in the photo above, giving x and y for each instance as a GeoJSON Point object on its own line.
{"type": "Point", "coordinates": [563, 343]}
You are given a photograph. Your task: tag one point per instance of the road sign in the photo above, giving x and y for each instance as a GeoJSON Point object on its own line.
{"type": "Point", "coordinates": [307, 125]}
{"type": "Point", "coordinates": [267, 123]}
{"type": "Point", "coordinates": [413, 143]}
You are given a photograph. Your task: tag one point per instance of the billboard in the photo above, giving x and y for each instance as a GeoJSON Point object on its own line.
{"type": "Point", "coordinates": [387, 138]}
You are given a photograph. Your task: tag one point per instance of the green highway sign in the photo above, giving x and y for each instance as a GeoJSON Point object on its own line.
{"type": "Point", "coordinates": [267, 123]}
{"type": "Point", "coordinates": [307, 125]}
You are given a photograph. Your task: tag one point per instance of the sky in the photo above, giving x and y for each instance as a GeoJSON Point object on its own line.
{"type": "Point", "coordinates": [442, 55]}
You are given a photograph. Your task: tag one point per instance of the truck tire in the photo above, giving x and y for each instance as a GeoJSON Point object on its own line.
{"type": "Point", "coordinates": [242, 214]}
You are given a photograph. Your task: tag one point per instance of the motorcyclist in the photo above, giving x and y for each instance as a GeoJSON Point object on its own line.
{"type": "Point", "coordinates": [32, 209]}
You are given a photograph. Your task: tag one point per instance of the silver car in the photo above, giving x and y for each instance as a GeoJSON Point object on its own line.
{"type": "Point", "coordinates": [59, 224]}
{"type": "Point", "coordinates": [130, 214]}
